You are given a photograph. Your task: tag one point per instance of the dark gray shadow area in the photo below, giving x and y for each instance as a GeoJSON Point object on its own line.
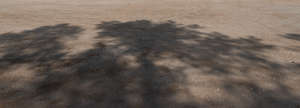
{"type": "Point", "coordinates": [40, 52]}
{"type": "Point", "coordinates": [215, 52]}
{"type": "Point", "coordinates": [292, 36]}
{"type": "Point", "coordinates": [125, 71]}
{"type": "Point", "coordinates": [38, 45]}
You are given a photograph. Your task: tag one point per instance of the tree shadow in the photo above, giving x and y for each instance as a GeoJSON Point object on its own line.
{"type": "Point", "coordinates": [138, 64]}
{"type": "Point", "coordinates": [40, 45]}
{"type": "Point", "coordinates": [209, 53]}
{"type": "Point", "coordinates": [28, 61]}
{"type": "Point", "coordinates": [204, 50]}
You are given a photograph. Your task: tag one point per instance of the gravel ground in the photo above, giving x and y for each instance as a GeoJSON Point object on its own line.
{"type": "Point", "coordinates": [149, 54]}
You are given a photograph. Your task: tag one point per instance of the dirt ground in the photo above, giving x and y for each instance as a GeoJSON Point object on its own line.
{"type": "Point", "coordinates": [149, 54]}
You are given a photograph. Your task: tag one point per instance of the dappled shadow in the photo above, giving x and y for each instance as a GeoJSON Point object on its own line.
{"type": "Point", "coordinates": [198, 49]}
{"type": "Point", "coordinates": [292, 36]}
{"type": "Point", "coordinates": [28, 60]}
{"type": "Point", "coordinates": [141, 64]}
{"type": "Point", "coordinates": [180, 48]}
{"type": "Point", "coordinates": [41, 45]}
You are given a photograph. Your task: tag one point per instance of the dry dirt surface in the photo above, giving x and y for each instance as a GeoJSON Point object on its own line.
{"type": "Point", "coordinates": [149, 54]}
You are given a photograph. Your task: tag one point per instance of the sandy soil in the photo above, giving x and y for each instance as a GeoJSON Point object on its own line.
{"type": "Point", "coordinates": [149, 54]}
